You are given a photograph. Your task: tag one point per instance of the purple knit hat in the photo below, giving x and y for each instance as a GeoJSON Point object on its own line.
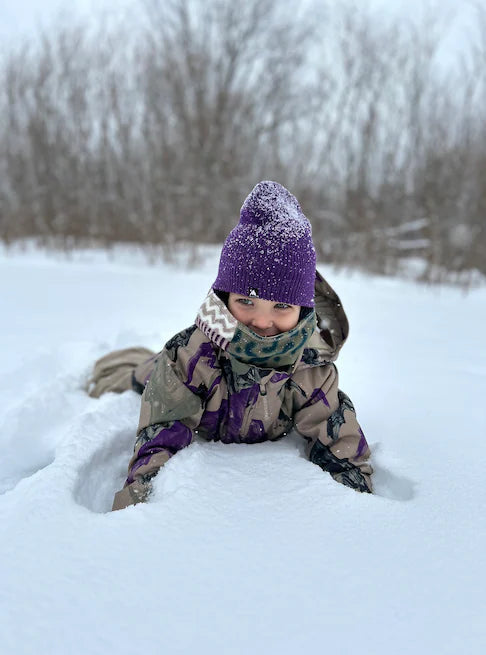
{"type": "Point", "coordinates": [270, 253]}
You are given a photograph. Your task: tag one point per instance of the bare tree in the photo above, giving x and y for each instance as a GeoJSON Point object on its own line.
{"type": "Point", "coordinates": [152, 131]}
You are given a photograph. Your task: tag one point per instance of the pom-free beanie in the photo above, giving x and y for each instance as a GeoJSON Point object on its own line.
{"type": "Point", "coordinates": [270, 253]}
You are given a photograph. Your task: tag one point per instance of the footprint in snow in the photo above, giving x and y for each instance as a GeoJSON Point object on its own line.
{"type": "Point", "coordinates": [31, 429]}
{"type": "Point", "coordinates": [388, 484]}
{"type": "Point", "coordinates": [106, 439]}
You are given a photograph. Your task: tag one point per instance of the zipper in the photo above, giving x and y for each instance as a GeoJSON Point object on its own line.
{"type": "Point", "coordinates": [266, 411]}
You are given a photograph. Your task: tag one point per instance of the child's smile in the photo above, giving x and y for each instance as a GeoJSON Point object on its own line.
{"type": "Point", "coordinates": [265, 317]}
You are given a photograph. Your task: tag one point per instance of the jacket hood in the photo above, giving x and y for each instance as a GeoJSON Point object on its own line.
{"type": "Point", "coordinates": [332, 323]}
{"type": "Point", "coordinates": [316, 339]}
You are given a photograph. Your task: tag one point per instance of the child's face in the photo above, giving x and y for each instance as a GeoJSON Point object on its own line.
{"type": "Point", "coordinates": [265, 317]}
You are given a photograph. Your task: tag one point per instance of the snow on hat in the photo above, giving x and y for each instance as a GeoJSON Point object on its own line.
{"type": "Point", "coordinates": [270, 253]}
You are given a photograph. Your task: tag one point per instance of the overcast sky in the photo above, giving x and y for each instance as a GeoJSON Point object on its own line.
{"type": "Point", "coordinates": [22, 17]}
{"type": "Point", "coordinates": [19, 17]}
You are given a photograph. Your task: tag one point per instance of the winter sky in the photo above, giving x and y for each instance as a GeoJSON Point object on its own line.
{"type": "Point", "coordinates": [20, 17]}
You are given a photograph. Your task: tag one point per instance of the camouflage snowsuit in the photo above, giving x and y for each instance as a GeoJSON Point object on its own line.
{"type": "Point", "coordinates": [220, 380]}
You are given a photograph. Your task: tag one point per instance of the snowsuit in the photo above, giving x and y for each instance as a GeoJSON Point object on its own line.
{"type": "Point", "coordinates": [221, 381]}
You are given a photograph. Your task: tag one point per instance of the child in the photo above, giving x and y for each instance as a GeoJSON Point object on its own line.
{"type": "Point", "coordinates": [256, 364]}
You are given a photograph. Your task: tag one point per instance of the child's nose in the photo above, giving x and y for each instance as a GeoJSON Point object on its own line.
{"type": "Point", "coordinates": [262, 321]}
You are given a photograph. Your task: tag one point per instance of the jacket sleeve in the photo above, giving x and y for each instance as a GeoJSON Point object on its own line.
{"type": "Point", "coordinates": [327, 419]}
{"type": "Point", "coordinates": [172, 406]}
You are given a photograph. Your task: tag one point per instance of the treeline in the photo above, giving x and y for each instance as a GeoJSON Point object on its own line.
{"type": "Point", "coordinates": [154, 130]}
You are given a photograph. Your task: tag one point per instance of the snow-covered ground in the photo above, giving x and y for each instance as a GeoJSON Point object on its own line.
{"type": "Point", "coordinates": [242, 549]}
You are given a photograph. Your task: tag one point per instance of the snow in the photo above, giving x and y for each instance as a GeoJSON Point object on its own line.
{"type": "Point", "coordinates": [242, 549]}
{"type": "Point", "coordinates": [271, 204]}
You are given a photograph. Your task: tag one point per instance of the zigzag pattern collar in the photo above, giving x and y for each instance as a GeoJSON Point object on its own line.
{"type": "Point", "coordinates": [216, 321]}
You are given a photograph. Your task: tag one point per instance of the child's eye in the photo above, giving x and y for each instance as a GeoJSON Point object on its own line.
{"type": "Point", "coordinates": [282, 305]}
{"type": "Point", "coordinates": [245, 301]}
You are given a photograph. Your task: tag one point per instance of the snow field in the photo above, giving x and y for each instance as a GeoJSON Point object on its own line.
{"type": "Point", "coordinates": [241, 548]}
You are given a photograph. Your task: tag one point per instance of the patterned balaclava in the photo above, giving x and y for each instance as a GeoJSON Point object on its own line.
{"type": "Point", "coordinates": [270, 253]}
